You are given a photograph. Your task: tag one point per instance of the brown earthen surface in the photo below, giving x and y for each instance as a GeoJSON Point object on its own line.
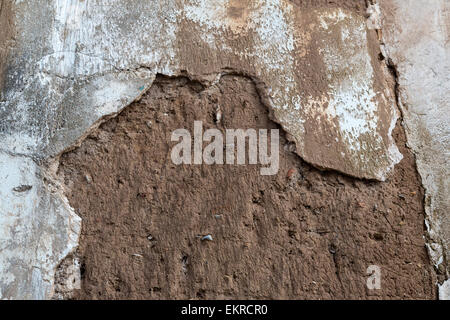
{"type": "Point", "coordinates": [358, 6]}
{"type": "Point", "coordinates": [6, 37]}
{"type": "Point", "coordinates": [299, 234]}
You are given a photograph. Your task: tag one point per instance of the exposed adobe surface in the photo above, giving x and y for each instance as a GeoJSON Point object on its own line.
{"type": "Point", "coordinates": [312, 235]}
{"type": "Point", "coordinates": [6, 37]}
{"type": "Point", "coordinates": [358, 6]}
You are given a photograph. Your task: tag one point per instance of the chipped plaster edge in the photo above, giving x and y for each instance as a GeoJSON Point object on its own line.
{"type": "Point", "coordinates": [261, 87]}
{"type": "Point", "coordinates": [434, 238]}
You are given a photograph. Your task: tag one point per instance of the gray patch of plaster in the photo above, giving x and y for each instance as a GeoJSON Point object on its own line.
{"type": "Point", "coordinates": [416, 41]}
{"type": "Point", "coordinates": [444, 290]}
{"type": "Point", "coordinates": [76, 62]}
{"type": "Point", "coordinates": [37, 229]}
{"type": "Point", "coordinates": [93, 58]}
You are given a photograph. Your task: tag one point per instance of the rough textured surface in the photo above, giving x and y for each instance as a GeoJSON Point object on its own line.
{"type": "Point", "coordinates": [65, 65]}
{"type": "Point", "coordinates": [37, 229]}
{"type": "Point", "coordinates": [67, 278]}
{"type": "Point", "coordinates": [299, 234]}
{"type": "Point", "coordinates": [416, 42]}
{"type": "Point", "coordinates": [313, 65]}
{"type": "Point", "coordinates": [6, 38]}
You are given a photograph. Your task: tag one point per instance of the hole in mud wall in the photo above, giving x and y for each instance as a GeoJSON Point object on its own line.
{"type": "Point", "coordinates": [301, 233]}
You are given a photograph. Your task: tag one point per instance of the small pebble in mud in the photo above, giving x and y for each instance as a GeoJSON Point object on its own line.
{"type": "Point", "coordinates": [291, 173]}
{"type": "Point", "coordinates": [207, 237]}
{"type": "Point", "coordinates": [217, 216]}
{"type": "Point", "coordinates": [332, 249]}
{"type": "Point", "coordinates": [218, 115]}
{"type": "Point", "coordinates": [88, 178]}
{"type": "Point", "coordinates": [22, 188]}
{"type": "Point", "coordinates": [289, 147]}
{"type": "Point", "coordinates": [293, 177]}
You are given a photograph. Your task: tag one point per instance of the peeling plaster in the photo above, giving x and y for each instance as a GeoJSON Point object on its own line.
{"type": "Point", "coordinates": [38, 228]}
{"type": "Point", "coordinates": [92, 56]}
{"type": "Point", "coordinates": [415, 41]}
{"type": "Point", "coordinates": [77, 62]}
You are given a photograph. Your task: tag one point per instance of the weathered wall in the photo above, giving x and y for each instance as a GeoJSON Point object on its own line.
{"type": "Point", "coordinates": [314, 68]}
{"type": "Point", "coordinates": [75, 62]}
{"type": "Point", "coordinates": [415, 39]}
{"type": "Point", "coordinates": [38, 228]}
{"type": "Point", "coordinates": [6, 37]}
{"type": "Point", "coordinates": [299, 234]}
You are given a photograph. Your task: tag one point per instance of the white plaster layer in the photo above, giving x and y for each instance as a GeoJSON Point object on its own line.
{"type": "Point", "coordinates": [416, 41]}
{"type": "Point", "coordinates": [89, 64]}
{"type": "Point", "coordinates": [444, 291]}
{"type": "Point", "coordinates": [76, 62]}
{"type": "Point", "coordinates": [37, 230]}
